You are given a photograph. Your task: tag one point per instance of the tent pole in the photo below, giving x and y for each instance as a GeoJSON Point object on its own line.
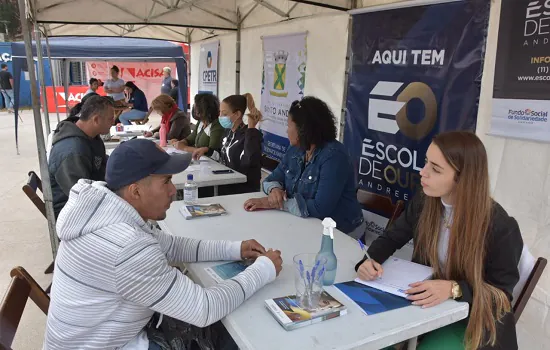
{"type": "Point", "coordinates": [46, 187]}
{"type": "Point", "coordinates": [66, 80]}
{"type": "Point", "coordinates": [51, 74]}
{"type": "Point", "coordinates": [38, 40]}
{"type": "Point", "coordinates": [346, 80]}
{"type": "Point", "coordinates": [238, 58]}
{"type": "Point", "coordinates": [188, 59]}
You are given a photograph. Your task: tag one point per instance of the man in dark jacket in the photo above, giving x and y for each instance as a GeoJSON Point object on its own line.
{"type": "Point", "coordinates": [77, 149]}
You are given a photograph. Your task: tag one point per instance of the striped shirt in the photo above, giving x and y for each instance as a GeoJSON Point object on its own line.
{"type": "Point", "coordinates": [112, 273]}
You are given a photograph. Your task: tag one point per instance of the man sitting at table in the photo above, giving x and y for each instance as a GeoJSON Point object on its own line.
{"type": "Point", "coordinates": [112, 267]}
{"type": "Point", "coordinates": [77, 149]}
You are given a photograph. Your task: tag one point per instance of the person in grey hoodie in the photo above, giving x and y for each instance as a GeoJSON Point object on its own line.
{"type": "Point", "coordinates": [77, 149]}
{"type": "Point", "coordinates": [114, 286]}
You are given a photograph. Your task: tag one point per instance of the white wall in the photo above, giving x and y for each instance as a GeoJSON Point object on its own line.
{"type": "Point", "coordinates": [326, 54]}
{"type": "Point", "coordinates": [520, 180]}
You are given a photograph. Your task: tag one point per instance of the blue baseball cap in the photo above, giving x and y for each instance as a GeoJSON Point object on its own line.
{"type": "Point", "coordinates": [136, 159]}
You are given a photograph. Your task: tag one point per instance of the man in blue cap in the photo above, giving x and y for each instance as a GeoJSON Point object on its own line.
{"type": "Point", "coordinates": [113, 281]}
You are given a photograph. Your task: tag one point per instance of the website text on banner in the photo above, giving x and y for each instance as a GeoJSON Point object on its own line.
{"type": "Point", "coordinates": [208, 68]}
{"type": "Point", "coordinates": [415, 72]}
{"type": "Point", "coordinates": [283, 81]}
{"type": "Point", "coordinates": [521, 96]}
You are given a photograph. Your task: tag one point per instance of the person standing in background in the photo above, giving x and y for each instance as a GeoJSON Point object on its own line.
{"type": "Point", "coordinates": [6, 87]}
{"type": "Point", "coordinates": [114, 87]}
{"type": "Point", "coordinates": [174, 92]}
{"type": "Point", "coordinates": [166, 81]}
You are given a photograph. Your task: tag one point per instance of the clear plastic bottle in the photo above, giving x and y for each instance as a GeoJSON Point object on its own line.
{"type": "Point", "coordinates": [327, 251]}
{"type": "Point", "coordinates": [190, 191]}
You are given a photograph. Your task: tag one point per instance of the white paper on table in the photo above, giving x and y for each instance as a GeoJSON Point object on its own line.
{"type": "Point", "coordinates": [398, 275]}
{"type": "Point", "coordinates": [172, 150]}
{"type": "Point", "coordinates": [134, 128]}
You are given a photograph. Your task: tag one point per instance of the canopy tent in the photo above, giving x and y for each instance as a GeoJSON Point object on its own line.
{"type": "Point", "coordinates": [70, 49]}
{"type": "Point", "coordinates": [176, 20]}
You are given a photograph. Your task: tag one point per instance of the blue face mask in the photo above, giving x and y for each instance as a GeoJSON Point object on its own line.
{"type": "Point", "coordinates": [225, 122]}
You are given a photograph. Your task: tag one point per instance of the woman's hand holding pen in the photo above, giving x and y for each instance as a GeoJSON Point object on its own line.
{"type": "Point", "coordinates": [370, 270]}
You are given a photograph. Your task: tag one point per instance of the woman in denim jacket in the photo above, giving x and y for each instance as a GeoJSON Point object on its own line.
{"type": "Point", "coordinates": [315, 177]}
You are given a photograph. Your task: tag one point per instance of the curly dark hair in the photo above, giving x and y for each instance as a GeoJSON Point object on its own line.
{"type": "Point", "coordinates": [207, 107]}
{"type": "Point", "coordinates": [315, 122]}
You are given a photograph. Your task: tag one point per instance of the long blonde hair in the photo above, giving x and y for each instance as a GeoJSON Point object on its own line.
{"type": "Point", "coordinates": [472, 207]}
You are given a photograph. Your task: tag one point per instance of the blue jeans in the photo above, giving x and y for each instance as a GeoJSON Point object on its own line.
{"type": "Point", "coordinates": [8, 98]}
{"type": "Point", "coordinates": [133, 114]}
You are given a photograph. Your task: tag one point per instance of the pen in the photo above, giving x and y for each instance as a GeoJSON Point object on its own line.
{"type": "Point", "coordinates": [364, 249]}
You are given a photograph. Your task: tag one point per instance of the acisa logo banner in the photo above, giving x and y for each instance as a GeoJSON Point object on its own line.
{"type": "Point", "coordinates": [133, 73]}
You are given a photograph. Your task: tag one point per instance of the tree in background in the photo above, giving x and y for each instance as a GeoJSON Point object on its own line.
{"type": "Point", "coordinates": [9, 19]}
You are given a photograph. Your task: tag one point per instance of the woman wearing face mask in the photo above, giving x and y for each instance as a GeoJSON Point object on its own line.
{"type": "Point", "coordinates": [208, 133]}
{"type": "Point", "coordinates": [468, 239]}
{"type": "Point", "coordinates": [316, 176]}
{"type": "Point", "coordinates": [242, 144]}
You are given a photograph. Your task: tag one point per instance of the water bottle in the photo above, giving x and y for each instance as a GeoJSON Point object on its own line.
{"type": "Point", "coordinates": [162, 135]}
{"type": "Point", "coordinates": [190, 191]}
{"type": "Point", "coordinates": [327, 251]}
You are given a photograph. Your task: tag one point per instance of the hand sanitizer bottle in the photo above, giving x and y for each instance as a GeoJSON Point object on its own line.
{"type": "Point", "coordinates": [327, 251]}
{"type": "Point", "coordinates": [190, 191]}
{"type": "Point", "coordinates": [162, 132]}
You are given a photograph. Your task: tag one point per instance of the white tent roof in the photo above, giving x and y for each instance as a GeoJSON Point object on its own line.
{"type": "Point", "coordinates": [176, 20]}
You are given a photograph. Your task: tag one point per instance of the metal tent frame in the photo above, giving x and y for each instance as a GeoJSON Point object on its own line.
{"type": "Point", "coordinates": [174, 20]}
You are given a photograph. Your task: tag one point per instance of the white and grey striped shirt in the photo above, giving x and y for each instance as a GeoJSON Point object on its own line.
{"type": "Point", "coordinates": [112, 273]}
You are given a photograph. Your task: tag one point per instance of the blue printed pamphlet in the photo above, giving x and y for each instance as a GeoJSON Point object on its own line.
{"type": "Point", "coordinates": [371, 300]}
{"type": "Point", "coordinates": [227, 270]}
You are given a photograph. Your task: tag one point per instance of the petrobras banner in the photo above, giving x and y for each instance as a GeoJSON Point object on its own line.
{"type": "Point", "coordinates": [208, 68]}
{"type": "Point", "coordinates": [283, 81]}
{"type": "Point", "coordinates": [415, 72]}
{"type": "Point", "coordinates": [521, 95]}
{"type": "Point", "coordinates": [146, 75]}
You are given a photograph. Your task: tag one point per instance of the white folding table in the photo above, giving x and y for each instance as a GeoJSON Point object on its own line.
{"type": "Point", "coordinates": [203, 174]}
{"type": "Point", "coordinates": [253, 327]}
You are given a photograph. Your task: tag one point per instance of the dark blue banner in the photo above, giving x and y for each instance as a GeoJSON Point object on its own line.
{"type": "Point", "coordinates": [415, 72]}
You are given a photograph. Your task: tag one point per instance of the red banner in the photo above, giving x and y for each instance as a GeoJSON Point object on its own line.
{"type": "Point", "coordinates": [76, 92]}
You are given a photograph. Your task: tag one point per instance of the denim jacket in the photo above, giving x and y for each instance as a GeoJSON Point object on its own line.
{"type": "Point", "coordinates": [324, 187]}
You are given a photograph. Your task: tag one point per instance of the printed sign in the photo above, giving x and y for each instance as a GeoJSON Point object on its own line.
{"type": "Point", "coordinates": [521, 104]}
{"type": "Point", "coordinates": [283, 81]}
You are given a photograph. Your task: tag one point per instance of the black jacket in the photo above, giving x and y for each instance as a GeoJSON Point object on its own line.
{"type": "Point", "coordinates": [242, 152]}
{"type": "Point", "coordinates": [174, 93]}
{"type": "Point", "coordinates": [74, 156]}
{"type": "Point", "coordinates": [504, 246]}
